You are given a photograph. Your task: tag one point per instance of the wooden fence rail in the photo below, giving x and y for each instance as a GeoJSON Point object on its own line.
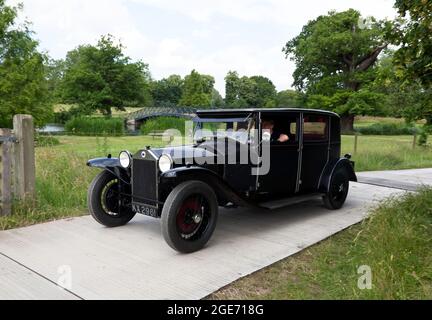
{"type": "Point", "coordinates": [17, 163]}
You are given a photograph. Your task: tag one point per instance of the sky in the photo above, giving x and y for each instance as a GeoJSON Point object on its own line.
{"type": "Point", "coordinates": [174, 37]}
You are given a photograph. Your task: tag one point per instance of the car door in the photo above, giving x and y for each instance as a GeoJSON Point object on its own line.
{"type": "Point", "coordinates": [315, 150]}
{"type": "Point", "coordinates": [284, 159]}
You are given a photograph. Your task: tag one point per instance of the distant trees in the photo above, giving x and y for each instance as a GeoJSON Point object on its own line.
{"type": "Point", "coordinates": [256, 91]}
{"type": "Point", "coordinates": [197, 90]}
{"type": "Point", "coordinates": [289, 98]}
{"type": "Point", "coordinates": [23, 87]}
{"type": "Point", "coordinates": [413, 57]}
{"type": "Point", "coordinates": [167, 91]}
{"type": "Point", "coordinates": [101, 77]}
{"type": "Point", "coordinates": [335, 57]}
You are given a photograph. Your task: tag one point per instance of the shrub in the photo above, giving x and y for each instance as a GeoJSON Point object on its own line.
{"type": "Point", "coordinates": [389, 129]}
{"type": "Point", "coordinates": [46, 141]}
{"type": "Point", "coordinates": [162, 124]}
{"type": "Point", "coordinates": [86, 126]}
{"type": "Point", "coordinates": [424, 135]}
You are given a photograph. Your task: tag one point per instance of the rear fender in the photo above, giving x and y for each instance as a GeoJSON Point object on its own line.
{"type": "Point", "coordinates": [111, 165]}
{"type": "Point", "coordinates": [340, 164]}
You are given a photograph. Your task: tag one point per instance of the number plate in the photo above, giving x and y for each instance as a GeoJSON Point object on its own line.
{"type": "Point", "coordinates": [145, 209]}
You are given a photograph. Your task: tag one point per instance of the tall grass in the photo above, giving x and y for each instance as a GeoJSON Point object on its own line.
{"type": "Point", "coordinates": [162, 124]}
{"type": "Point", "coordinates": [394, 242]}
{"type": "Point", "coordinates": [387, 153]}
{"type": "Point", "coordinates": [389, 129]}
{"type": "Point", "coordinates": [61, 182]}
{"type": "Point", "coordinates": [86, 126]}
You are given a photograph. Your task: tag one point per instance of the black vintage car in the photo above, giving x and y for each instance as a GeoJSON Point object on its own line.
{"type": "Point", "coordinates": [265, 158]}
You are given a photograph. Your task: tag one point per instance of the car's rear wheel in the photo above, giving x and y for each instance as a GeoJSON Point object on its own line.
{"type": "Point", "coordinates": [338, 191]}
{"type": "Point", "coordinates": [189, 216]}
{"type": "Point", "coordinates": [104, 201]}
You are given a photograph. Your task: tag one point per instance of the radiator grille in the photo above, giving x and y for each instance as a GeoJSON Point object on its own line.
{"type": "Point", "coordinates": [144, 181]}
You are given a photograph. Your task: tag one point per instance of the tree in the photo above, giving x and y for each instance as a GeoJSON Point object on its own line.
{"type": "Point", "coordinates": [256, 91]}
{"type": "Point", "coordinates": [198, 90]}
{"type": "Point", "coordinates": [54, 70]}
{"type": "Point", "coordinates": [167, 91]}
{"type": "Point", "coordinates": [265, 92]}
{"type": "Point", "coordinates": [289, 98]}
{"type": "Point", "coordinates": [232, 85]}
{"type": "Point", "coordinates": [335, 57]}
{"type": "Point", "coordinates": [400, 98]}
{"type": "Point", "coordinates": [23, 87]}
{"type": "Point", "coordinates": [413, 36]}
{"type": "Point", "coordinates": [101, 77]}
{"type": "Point", "coordinates": [217, 100]}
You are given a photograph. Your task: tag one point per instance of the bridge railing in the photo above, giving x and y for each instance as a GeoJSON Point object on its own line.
{"type": "Point", "coordinates": [157, 111]}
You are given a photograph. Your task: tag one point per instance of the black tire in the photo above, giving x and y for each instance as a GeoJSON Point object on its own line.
{"type": "Point", "coordinates": [103, 201]}
{"type": "Point", "coordinates": [339, 187]}
{"type": "Point", "coordinates": [180, 215]}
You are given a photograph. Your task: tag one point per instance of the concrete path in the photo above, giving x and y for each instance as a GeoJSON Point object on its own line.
{"type": "Point", "coordinates": [133, 262]}
{"type": "Point", "coordinates": [399, 179]}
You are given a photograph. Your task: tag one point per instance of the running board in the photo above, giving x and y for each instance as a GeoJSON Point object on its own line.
{"type": "Point", "coordinates": [276, 204]}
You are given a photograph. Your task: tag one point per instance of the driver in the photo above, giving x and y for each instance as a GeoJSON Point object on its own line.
{"type": "Point", "coordinates": [275, 136]}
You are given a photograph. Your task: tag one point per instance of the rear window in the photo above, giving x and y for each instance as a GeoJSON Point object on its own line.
{"type": "Point", "coordinates": [315, 128]}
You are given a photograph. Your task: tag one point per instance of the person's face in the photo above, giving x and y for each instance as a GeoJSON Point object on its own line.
{"type": "Point", "coordinates": [267, 125]}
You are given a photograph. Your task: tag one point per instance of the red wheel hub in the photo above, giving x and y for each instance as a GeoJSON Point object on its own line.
{"type": "Point", "coordinates": [187, 216]}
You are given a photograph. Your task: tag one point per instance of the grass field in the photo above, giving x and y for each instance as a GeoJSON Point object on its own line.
{"type": "Point", "coordinates": [63, 177]}
{"type": "Point", "coordinates": [394, 243]}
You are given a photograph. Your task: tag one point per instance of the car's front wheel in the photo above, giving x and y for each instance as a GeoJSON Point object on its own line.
{"type": "Point", "coordinates": [104, 201]}
{"type": "Point", "coordinates": [338, 191]}
{"type": "Point", "coordinates": [189, 216]}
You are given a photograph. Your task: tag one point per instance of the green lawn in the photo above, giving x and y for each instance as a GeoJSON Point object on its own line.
{"type": "Point", "coordinates": [394, 243]}
{"type": "Point", "coordinates": [62, 177]}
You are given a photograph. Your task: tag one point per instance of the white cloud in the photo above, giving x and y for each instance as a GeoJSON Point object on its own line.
{"type": "Point", "coordinates": [212, 38]}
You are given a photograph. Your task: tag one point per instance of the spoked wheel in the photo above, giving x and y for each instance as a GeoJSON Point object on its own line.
{"type": "Point", "coordinates": [104, 201]}
{"type": "Point", "coordinates": [189, 216]}
{"type": "Point", "coordinates": [339, 187]}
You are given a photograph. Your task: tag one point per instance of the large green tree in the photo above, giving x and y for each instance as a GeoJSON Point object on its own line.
{"type": "Point", "coordinates": [197, 90]}
{"type": "Point", "coordinates": [289, 98]}
{"type": "Point", "coordinates": [255, 91]}
{"type": "Point", "coordinates": [23, 86]}
{"type": "Point", "coordinates": [400, 98]}
{"type": "Point", "coordinates": [101, 77]}
{"type": "Point", "coordinates": [167, 91]}
{"type": "Point", "coordinates": [335, 55]}
{"type": "Point", "coordinates": [413, 36]}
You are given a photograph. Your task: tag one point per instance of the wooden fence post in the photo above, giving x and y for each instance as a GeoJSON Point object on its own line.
{"type": "Point", "coordinates": [5, 174]}
{"type": "Point", "coordinates": [415, 140]}
{"type": "Point", "coordinates": [355, 143]}
{"type": "Point", "coordinates": [24, 157]}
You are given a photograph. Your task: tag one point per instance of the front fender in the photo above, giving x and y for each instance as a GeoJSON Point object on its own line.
{"type": "Point", "coordinates": [112, 165]}
{"type": "Point", "coordinates": [220, 186]}
{"type": "Point", "coordinates": [331, 168]}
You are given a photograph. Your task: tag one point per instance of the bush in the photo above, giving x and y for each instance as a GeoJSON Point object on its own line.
{"type": "Point", "coordinates": [46, 141]}
{"type": "Point", "coordinates": [389, 129]}
{"type": "Point", "coordinates": [86, 126]}
{"type": "Point", "coordinates": [162, 124]}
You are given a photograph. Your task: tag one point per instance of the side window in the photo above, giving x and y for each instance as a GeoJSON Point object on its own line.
{"type": "Point", "coordinates": [315, 128]}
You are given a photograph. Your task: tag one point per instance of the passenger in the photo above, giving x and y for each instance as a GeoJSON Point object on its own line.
{"type": "Point", "coordinates": [275, 136]}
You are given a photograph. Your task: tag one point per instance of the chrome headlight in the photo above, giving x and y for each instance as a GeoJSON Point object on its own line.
{"type": "Point", "coordinates": [125, 159]}
{"type": "Point", "coordinates": [165, 163]}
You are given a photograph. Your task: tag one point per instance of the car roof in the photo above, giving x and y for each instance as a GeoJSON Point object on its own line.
{"type": "Point", "coordinates": [221, 112]}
